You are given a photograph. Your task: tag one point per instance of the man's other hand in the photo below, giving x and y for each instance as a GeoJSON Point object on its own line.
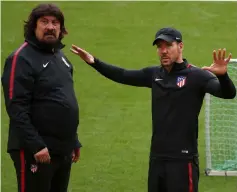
{"type": "Point", "coordinates": [42, 156]}
{"type": "Point", "coordinates": [75, 155]}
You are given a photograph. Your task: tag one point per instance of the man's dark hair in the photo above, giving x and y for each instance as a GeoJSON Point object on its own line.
{"type": "Point", "coordinates": [43, 10]}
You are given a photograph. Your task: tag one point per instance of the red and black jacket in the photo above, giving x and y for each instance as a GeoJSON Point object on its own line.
{"type": "Point", "coordinates": [40, 99]}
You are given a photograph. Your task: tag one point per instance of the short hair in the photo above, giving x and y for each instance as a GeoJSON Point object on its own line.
{"type": "Point", "coordinates": [44, 10]}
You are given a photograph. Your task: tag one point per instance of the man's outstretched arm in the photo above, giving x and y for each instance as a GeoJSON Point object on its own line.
{"type": "Point", "coordinates": [141, 78]}
{"type": "Point", "coordinates": [220, 86]}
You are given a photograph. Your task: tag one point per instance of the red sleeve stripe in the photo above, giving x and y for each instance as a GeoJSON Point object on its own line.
{"type": "Point", "coordinates": [12, 75]}
{"type": "Point", "coordinates": [190, 177]}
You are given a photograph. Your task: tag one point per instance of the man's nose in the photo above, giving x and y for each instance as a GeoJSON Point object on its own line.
{"type": "Point", "coordinates": [50, 26]}
{"type": "Point", "coordinates": [163, 50]}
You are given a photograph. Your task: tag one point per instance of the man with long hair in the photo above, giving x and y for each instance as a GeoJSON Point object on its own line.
{"type": "Point", "coordinates": [41, 104]}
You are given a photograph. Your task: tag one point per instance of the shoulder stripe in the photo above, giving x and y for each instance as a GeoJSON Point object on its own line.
{"type": "Point", "coordinates": [13, 68]}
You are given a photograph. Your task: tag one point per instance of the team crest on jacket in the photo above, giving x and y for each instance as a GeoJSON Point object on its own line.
{"type": "Point", "coordinates": [33, 168]}
{"type": "Point", "coordinates": [181, 81]}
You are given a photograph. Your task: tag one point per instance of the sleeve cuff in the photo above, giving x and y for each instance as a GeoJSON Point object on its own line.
{"type": "Point", "coordinates": [38, 148]}
{"type": "Point", "coordinates": [223, 77]}
{"type": "Point", "coordinates": [96, 63]}
{"type": "Point", "coordinates": [78, 144]}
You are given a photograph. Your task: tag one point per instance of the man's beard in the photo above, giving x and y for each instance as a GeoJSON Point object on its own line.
{"type": "Point", "coordinates": [164, 59]}
{"type": "Point", "coordinates": [48, 44]}
{"type": "Point", "coordinates": [51, 39]}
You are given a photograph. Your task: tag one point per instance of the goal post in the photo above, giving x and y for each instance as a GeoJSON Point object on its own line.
{"type": "Point", "coordinates": [221, 131]}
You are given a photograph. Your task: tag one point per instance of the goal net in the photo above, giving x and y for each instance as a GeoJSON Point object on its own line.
{"type": "Point", "coordinates": [221, 131]}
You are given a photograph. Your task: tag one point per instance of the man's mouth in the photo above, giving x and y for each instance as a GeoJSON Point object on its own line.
{"type": "Point", "coordinates": [50, 34]}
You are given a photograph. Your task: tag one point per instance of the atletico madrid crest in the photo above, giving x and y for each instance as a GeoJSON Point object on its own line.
{"type": "Point", "coordinates": [181, 81]}
{"type": "Point", "coordinates": [33, 168]}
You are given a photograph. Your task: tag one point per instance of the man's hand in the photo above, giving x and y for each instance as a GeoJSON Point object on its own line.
{"type": "Point", "coordinates": [42, 156]}
{"type": "Point", "coordinates": [75, 155]}
{"type": "Point", "coordinates": [87, 57]}
{"type": "Point", "coordinates": [219, 66]}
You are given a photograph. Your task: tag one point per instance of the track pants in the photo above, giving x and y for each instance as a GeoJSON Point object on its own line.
{"type": "Point", "coordinates": [37, 177]}
{"type": "Point", "coordinates": [173, 175]}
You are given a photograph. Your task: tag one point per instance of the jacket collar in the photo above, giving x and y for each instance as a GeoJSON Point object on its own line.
{"type": "Point", "coordinates": [43, 46]}
{"type": "Point", "coordinates": [180, 66]}
{"type": "Point", "coordinates": [177, 66]}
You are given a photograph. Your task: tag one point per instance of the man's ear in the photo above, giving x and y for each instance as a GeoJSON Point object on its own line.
{"type": "Point", "coordinates": [181, 45]}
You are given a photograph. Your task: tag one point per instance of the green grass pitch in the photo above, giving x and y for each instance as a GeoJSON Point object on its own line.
{"type": "Point", "coordinates": [115, 120]}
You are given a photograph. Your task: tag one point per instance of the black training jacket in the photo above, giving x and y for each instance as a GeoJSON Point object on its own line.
{"type": "Point", "coordinates": [40, 99]}
{"type": "Point", "coordinates": [177, 98]}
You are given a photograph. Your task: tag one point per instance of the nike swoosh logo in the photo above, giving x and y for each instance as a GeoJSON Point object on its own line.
{"type": "Point", "coordinates": [158, 79]}
{"type": "Point", "coordinates": [45, 65]}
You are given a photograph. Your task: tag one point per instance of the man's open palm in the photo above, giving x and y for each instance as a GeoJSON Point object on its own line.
{"type": "Point", "coordinates": [219, 66]}
{"type": "Point", "coordinates": [87, 57]}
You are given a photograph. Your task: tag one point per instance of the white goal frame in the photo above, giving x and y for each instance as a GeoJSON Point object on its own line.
{"type": "Point", "coordinates": [209, 171]}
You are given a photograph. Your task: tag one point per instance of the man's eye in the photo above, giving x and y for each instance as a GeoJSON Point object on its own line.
{"type": "Point", "coordinates": [55, 22]}
{"type": "Point", "coordinates": [44, 22]}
